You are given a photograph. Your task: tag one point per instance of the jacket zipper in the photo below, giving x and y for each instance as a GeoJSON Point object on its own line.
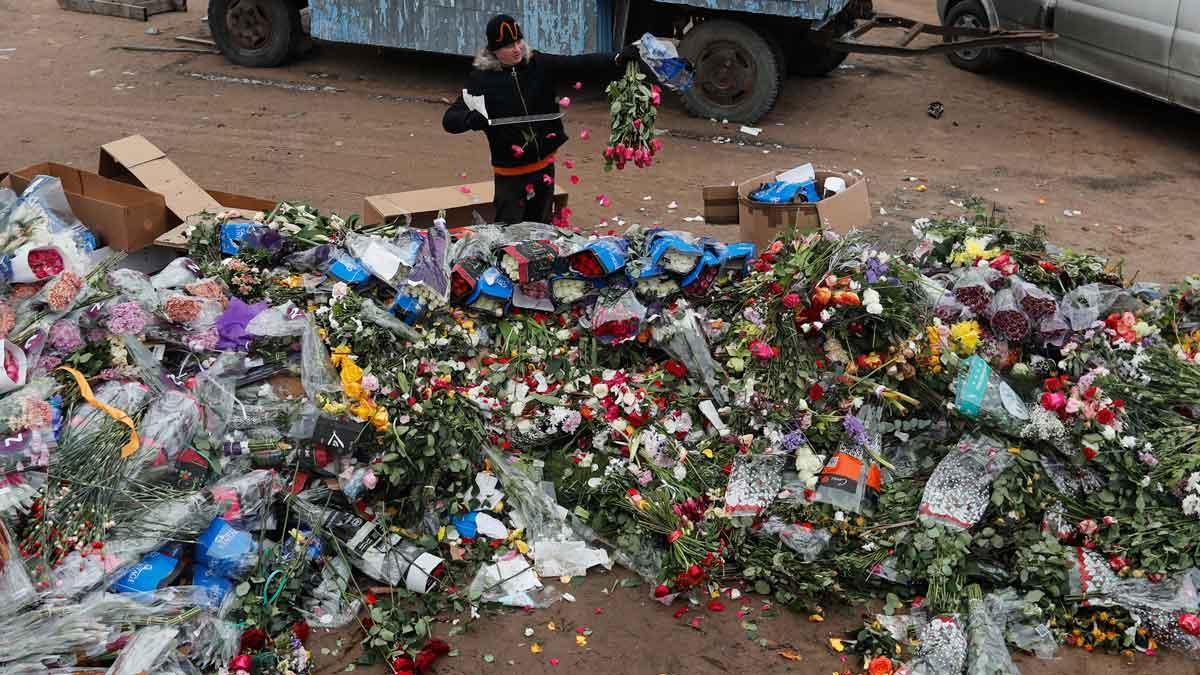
{"type": "Point", "coordinates": [520, 95]}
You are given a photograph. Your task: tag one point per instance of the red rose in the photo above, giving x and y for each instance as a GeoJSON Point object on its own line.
{"type": "Point", "coordinates": [662, 591]}
{"type": "Point", "coordinates": [1190, 624]}
{"type": "Point", "coordinates": [403, 664]}
{"type": "Point", "coordinates": [1105, 416]}
{"type": "Point", "coordinates": [816, 392]}
{"type": "Point", "coordinates": [791, 300]}
{"type": "Point", "coordinates": [1117, 563]}
{"type": "Point", "coordinates": [301, 630]}
{"type": "Point", "coordinates": [431, 652]}
{"type": "Point", "coordinates": [1048, 266]}
{"type": "Point", "coordinates": [775, 288]}
{"type": "Point", "coordinates": [676, 368]}
{"type": "Point", "coordinates": [254, 639]}
{"type": "Point", "coordinates": [695, 574]}
{"type": "Point", "coordinates": [1090, 453]}
{"type": "Point", "coordinates": [370, 598]}
{"type": "Point", "coordinates": [1052, 384]}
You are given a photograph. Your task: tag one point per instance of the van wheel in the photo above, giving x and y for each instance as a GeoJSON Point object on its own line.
{"type": "Point", "coordinates": [255, 33]}
{"type": "Point", "coordinates": [971, 14]}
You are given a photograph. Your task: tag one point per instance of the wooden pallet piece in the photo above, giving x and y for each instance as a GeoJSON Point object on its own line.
{"type": "Point", "coordinates": [139, 10]}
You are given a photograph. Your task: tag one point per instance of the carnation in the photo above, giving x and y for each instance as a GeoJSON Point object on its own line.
{"type": "Point", "coordinates": [63, 291]}
{"type": "Point", "coordinates": [65, 337]}
{"type": "Point", "coordinates": [126, 318]}
{"type": "Point", "coordinates": [181, 309]}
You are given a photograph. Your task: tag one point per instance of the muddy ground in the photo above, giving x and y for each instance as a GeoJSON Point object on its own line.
{"type": "Point", "coordinates": [346, 122]}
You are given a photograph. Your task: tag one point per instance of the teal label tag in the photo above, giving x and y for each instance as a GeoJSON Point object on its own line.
{"type": "Point", "coordinates": [970, 392]}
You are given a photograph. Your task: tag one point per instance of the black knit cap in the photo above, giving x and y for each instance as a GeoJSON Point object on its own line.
{"type": "Point", "coordinates": [502, 31]}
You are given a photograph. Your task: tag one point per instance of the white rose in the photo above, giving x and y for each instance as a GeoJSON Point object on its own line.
{"type": "Point", "coordinates": [1108, 433]}
{"type": "Point", "coordinates": [600, 390]}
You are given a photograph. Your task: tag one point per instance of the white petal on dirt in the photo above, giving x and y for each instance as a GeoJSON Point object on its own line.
{"type": "Point", "coordinates": [673, 205]}
{"type": "Point", "coordinates": [694, 219]}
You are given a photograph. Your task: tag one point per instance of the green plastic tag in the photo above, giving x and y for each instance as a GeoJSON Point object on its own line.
{"type": "Point", "coordinates": [973, 386]}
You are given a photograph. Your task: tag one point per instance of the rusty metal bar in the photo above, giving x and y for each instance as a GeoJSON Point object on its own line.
{"type": "Point", "coordinates": [954, 38]}
{"type": "Point", "coordinates": [912, 33]}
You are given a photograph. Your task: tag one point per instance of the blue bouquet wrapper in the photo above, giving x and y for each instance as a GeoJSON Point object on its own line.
{"type": "Point", "coordinates": [211, 589]}
{"type": "Point", "coordinates": [226, 550]}
{"type": "Point", "coordinates": [610, 252]}
{"type": "Point", "coordinates": [156, 570]}
{"type": "Point", "coordinates": [407, 308]}
{"type": "Point", "coordinates": [232, 234]}
{"type": "Point", "coordinates": [349, 269]}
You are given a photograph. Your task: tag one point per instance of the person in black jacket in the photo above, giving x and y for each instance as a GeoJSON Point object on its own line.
{"type": "Point", "coordinates": [515, 81]}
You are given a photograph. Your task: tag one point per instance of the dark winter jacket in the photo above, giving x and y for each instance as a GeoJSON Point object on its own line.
{"type": "Point", "coordinates": [529, 88]}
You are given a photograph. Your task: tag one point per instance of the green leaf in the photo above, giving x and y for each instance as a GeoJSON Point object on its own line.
{"type": "Point", "coordinates": [1033, 597]}
{"type": "Point", "coordinates": [488, 658]}
{"type": "Point", "coordinates": [761, 587]}
{"type": "Point", "coordinates": [387, 635]}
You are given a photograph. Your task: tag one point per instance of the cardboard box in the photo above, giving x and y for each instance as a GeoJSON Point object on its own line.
{"type": "Point", "coordinates": [761, 223]}
{"type": "Point", "coordinates": [424, 205]}
{"type": "Point", "coordinates": [175, 237]}
{"type": "Point", "coordinates": [122, 216]}
{"type": "Point", "coordinates": [721, 204]}
{"type": "Point", "coordinates": [137, 161]}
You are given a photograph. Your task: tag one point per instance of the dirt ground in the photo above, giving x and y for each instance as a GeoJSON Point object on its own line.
{"type": "Point", "coordinates": [348, 121]}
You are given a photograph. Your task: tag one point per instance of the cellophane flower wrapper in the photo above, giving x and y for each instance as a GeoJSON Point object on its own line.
{"type": "Point", "coordinates": [1006, 317]}
{"type": "Point", "coordinates": [808, 542]}
{"type": "Point", "coordinates": [170, 422]}
{"type": "Point", "coordinates": [128, 396]}
{"type": "Point", "coordinates": [232, 325]}
{"type": "Point", "coordinates": [46, 198]}
{"type": "Point", "coordinates": [1083, 306]}
{"type": "Point", "coordinates": [959, 490]}
{"type": "Point", "coordinates": [246, 499]}
{"type": "Point", "coordinates": [754, 483]}
{"type": "Point", "coordinates": [974, 288]}
{"type": "Point", "coordinates": [316, 372]}
{"type": "Point", "coordinates": [556, 548]}
{"type": "Point", "coordinates": [568, 289]}
{"type": "Point", "coordinates": [190, 312]}
{"type": "Point", "coordinates": [386, 259]}
{"type": "Point", "coordinates": [429, 278]}
{"type": "Point", "coordinates": [616, 318]}
{"type": "Point", "coordinates": [284, 320]}
{"type": "Point", "coordinates": [851, 479]}
{"type": "Point", "coordinates": [943, 649]}
{"type": "Point", "coordinates": [178, 273]}
{"type": "Point", "coordinates": [680, 334]}
{"type": "Point", "coordinates": [134, 286]}
{"type": "Point", "coordinates": [373, 313]}
{"type": "Point", "coordinates": [950, 310]}
{"type": "Point", "coordinates": [149, 648]}
{"type": "Point", "coordinates": [16, 587]}
{"type": "Point", "coordinates": [981, 392]}
{"type": "Point", "coordinates": [216, 389]}
{"type": "Point", "coordinates": [1037, 303]}
{"type": "Point", "coordinates": [1156, 606]}
{"type": "Point", "coordinates": [987, 653]}
{"type": "Point", "coordinates": [332, 604]}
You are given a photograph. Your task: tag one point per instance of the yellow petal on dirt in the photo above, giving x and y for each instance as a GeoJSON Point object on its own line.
{"type": "Point", "coordinates": [580, 641]}
{"type": "Point", "coordinates": [921, 188]}
{"type": "Point", "coordinates": [535, 648]}
{"type": "Point", "coordinates": [551, 626]}
{"type": "Point", "coordinates": [564, 579]}
{"type": "Point", "coordinates": [816, 618]}
{"type": "Point", "coordinates": [837, 645]}
{"type": "Point", "coordinates": [791, 655]}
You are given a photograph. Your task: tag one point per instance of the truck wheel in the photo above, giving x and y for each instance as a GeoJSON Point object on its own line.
{"type": "Point", "coordinates": [971, 14]}
{"type": "Point", "coordinates": [255, 33]}
{"type": "Point", "coordinates": [737, 75]}
{"type": "Point", "coordinates": [813, 60]}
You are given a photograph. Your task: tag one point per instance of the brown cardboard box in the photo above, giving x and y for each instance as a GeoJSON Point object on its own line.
{"type": "Point", "coordinates": [123, 216]}
{"type": "Point", "coordinates": [761, 223]}
{"type": "Point", "coordinates": [137, 161]}
{"type": "Point", "coordinates": [175, 237]}
{"type": "Point", "coordinates": [424, 205]}
{"type": "Point", "coordinates": [721, 204]}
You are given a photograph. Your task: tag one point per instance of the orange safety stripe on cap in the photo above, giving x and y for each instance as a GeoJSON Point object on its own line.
{"type": "Point", "coordinates": [85, 390]}
{"type": "Point", "coordinates": [512, 31]}
{"type": "Point", "coordinates": [523, 169]}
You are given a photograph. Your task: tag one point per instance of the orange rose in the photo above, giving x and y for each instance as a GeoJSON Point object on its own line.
{"type": "Point", "coordinates": [821, 296]}
{"type": "Point", "coordinates": [880, 665]}
{"type": "Point", "coordinates": [846, 299]}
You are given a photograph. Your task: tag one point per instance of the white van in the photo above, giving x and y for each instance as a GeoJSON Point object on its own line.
{"type": "Point", "coordinates": [1149, 46]}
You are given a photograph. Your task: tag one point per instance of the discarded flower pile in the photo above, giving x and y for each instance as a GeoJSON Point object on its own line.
{"type": "Point", "coordinates": [996, 434]}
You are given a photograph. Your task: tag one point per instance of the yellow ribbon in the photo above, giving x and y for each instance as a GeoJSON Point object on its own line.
{"type": "Point", "coordinates": [85, 390]}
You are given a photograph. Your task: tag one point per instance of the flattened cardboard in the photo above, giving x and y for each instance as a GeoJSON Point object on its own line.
{"type": "Point", "coordinates": [248, 206]}
{"type": "Point", "coordinates": [138, 161]}
{"type": "Point", "coordinates": [762, 223]}
{"type": "Point", "coordinates": [424, 205]}
{"type": "Point", "coordinates": [122, 216]}
{"type": "Point", "coordinates": [721, 204]}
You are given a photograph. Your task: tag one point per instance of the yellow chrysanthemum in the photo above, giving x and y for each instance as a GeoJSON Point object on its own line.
{"type": "Point", "coordinates": [965, 335]}
{"type": "Point", "coordinates": [973, 249]}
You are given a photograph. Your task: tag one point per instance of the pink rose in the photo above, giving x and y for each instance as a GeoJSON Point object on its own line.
{"type": "Point", "coordinates": [564, 102]}
{"type": "Point", "coordinates": [1088, 527]}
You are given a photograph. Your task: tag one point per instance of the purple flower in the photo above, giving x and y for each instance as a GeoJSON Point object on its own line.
{"type": "Point", "coordinates": [126, 318]}
{"type": "Point", "coordinates": [49, 363]}
{"type": "Point", "coordinates": [793, 440]}
{"type": "Point", "coordinates": [858, 433]}
{"type": "Point", "coordinates": [65, 337]}
{"type": "Point", "coordinates": [876, 269]}
{"type": "Point", "coordinates": [1146, 457]}
{"type": "Point", "coordinates": [204, 341]}
{"type": "Point", "coordinates": [231, 325]}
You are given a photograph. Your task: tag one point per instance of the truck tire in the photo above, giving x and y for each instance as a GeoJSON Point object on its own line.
{"type": "Point", "coordinates": [971, 14]}
{"type": "Point", "coordinates": [255, 33]}
{"type": "Point", "coordinates": [814, 60]}
{"type": "Point", "coordinates": [737, 75]}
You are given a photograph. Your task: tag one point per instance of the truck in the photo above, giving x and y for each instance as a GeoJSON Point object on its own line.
{"type": "Point", "coordinates": [742, 50]}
